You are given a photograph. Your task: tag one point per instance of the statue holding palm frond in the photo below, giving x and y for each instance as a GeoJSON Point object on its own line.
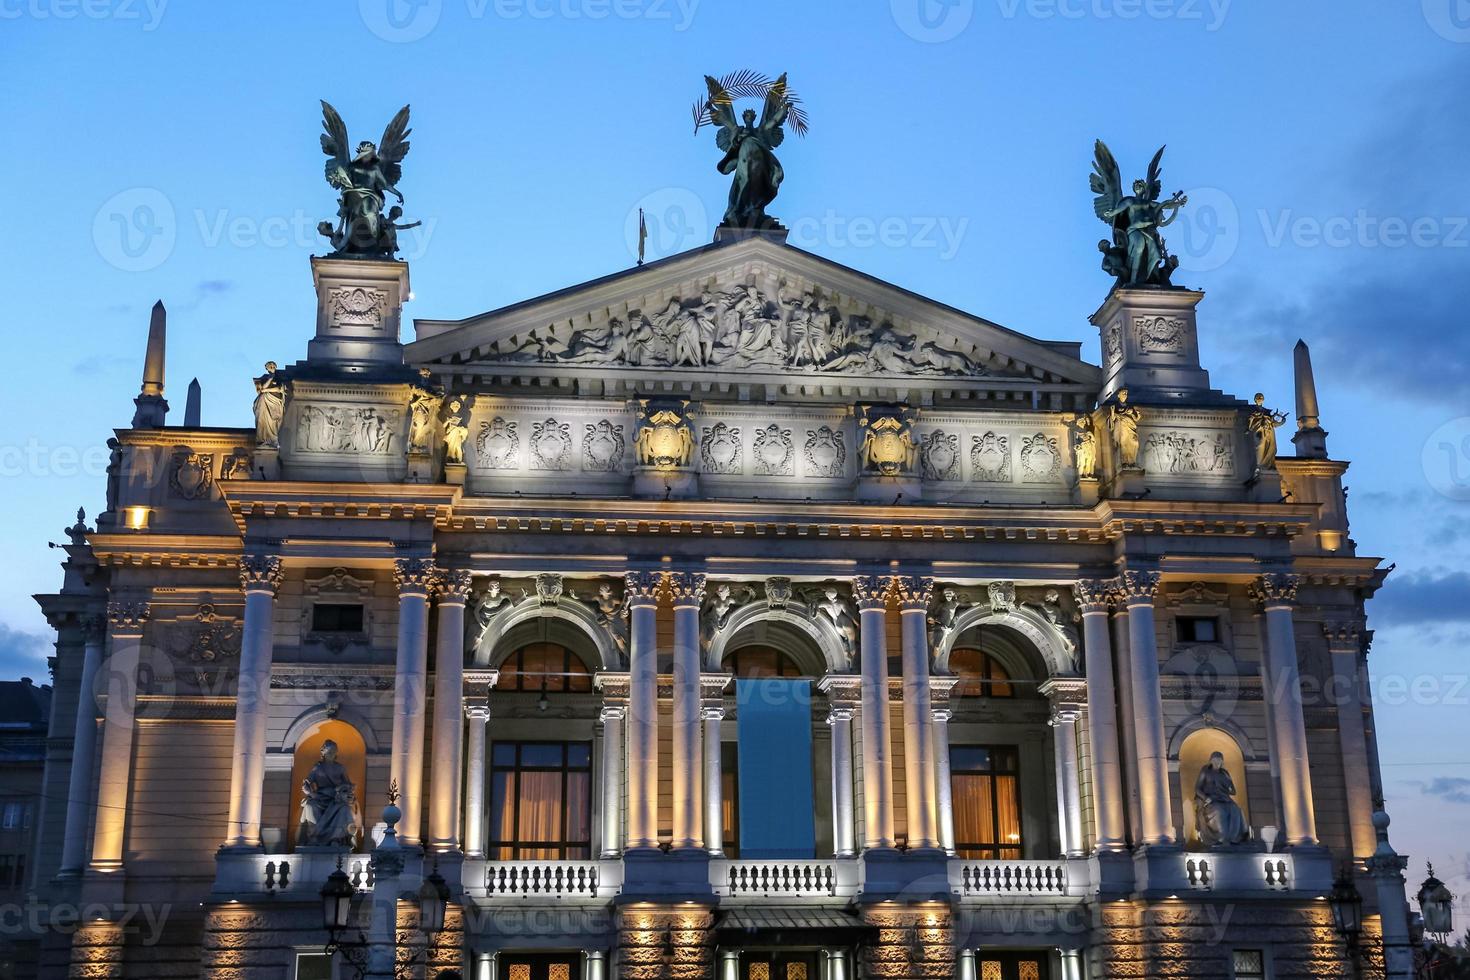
{"type": "Point", "coordinates": [749, 147]}
{"type": "Point", "coordinates": [364, 177]}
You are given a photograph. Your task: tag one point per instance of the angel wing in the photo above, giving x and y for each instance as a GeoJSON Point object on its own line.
{"type": "Point", "coordinates": [1106, 182]}
{"type": "Point", "coordinates": [394, 146]}
{"type": "Point", "coordinates": [721, 113]}
{"type": "Point", "coordinates": [1155, 174]}
{"type": "Point", "coordinates": [777, 106]}
{"type": "Point", "coordinates": [336, 147]}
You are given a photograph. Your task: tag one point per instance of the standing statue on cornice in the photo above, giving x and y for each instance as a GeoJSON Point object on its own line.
{"type": "Point", "coordinates": [364, 177]}
{"type": "Point", "coordinates": [750, 147]}
{"type": "Point", "coordinates": [269, 406]}
{"type": "Point", "coordinates": [1263, 423]}
{"type": "Point", "coordinates": [1137, 255]}
{"type": "Point", "coordinates": [1123, 420]}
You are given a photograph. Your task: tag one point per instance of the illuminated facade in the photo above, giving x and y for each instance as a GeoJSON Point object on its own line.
{"type": "Point", "coordinates": [737, 615]}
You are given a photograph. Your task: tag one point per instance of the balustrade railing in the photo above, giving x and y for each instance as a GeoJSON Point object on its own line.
{"type": "Point", "coordinates": [543, 879]}
{"type": "Point", "coordinates": [784, 879]}
{"type": "Point", "coordinates": [1002, 879]}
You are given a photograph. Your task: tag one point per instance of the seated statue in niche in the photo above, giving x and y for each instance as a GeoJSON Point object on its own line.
{"type": "Point", "coordinates": [1217, 817]}
{"type": "Point", "coordinates": [329, 813]}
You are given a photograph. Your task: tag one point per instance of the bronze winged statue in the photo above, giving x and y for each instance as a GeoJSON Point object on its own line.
{"type": "Point", "coordinates": [364, 177]}
{"type": "Point", "coordinates": [1136, 255]}
{"type": "Point", "coordinates": [749, 147]}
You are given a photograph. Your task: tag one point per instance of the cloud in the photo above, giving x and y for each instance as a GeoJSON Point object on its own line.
{"type": "Point", "coordinates": [1423, 597]}
{"type": "Point", "coordinates": [23, 654]}
{"type": "Point", "coordinates": [1451, 789]}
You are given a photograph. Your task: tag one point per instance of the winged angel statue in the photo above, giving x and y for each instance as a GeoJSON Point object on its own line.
{"type": "Point", "coordinates": [1136, 255]}
{"type": "Point", "coordinates": [364, 177]}
{"type": "Point", "coordinates": [750, 147]}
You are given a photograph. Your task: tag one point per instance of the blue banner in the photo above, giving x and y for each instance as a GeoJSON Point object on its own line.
{"type": "Point", "coordinates": [774, 722]}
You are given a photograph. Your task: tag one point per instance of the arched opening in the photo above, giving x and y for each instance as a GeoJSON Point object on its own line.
{"type": "Point", "coordinates": [760, 661]}
{"type": "Point", "coordinates": [351, 756]}
{"type": "Point", "coordinates": [981, 674]}
{"type": "Point", "coordinates": [1194, 756]}
{"type": "Point", "coordinates": [544, 667]}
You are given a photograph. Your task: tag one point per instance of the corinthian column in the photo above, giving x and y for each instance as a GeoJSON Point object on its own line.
{"type": "Point", "coordinates": [477, 713]}
{"type": "Point", "coordinates": [642, 597]}
{"type": "Point", "coordinates": [454, 591]}
{"type": "Point", "coordinates": [1137, 590]}
{"type": "Point", "coordinates": [843, 692]}
{"type": "Point", "coordinates": [83, 751]}
{"type": "Point", "coordinates": [1276, 592]}
{"type": "Point", "coordinates": [712, 713]}
{"type": "Point", "coordinates": [1102, 714]}
{"type": "Point", "coordinates": [940, 690]}
{"type": "Point", "coordinates": [1345, 644]}
{"type": "Point", "coordinates": [686, 589]}
{"type": "Point", "coordinates": [260, 577]}
{"type": "Point", "coordinates": [913, 593]}
{"type": "Point", "coordinates": [125, 622]}
{"type": "Point", "coordinates": [614, 688]}
{"type": "Point", "coordinates": [871, 593]}
{"type": "Point", "coordinates": [1066, 710]}
{"type": "Point", "coordinates": [414, 577]}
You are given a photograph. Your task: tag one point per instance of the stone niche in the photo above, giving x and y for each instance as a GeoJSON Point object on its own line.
{"type": "Point", "coordinates": [346, 432]}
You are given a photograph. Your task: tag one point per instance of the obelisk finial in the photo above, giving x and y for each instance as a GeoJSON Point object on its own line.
{"type": "Point", "coordinates": [1310, 439]}
{"type": "Point", "coordinates": [191, 405]}
{"type": "Point", "coordinates": [151, 408]}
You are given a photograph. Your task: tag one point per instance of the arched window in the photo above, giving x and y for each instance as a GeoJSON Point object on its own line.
{"type": "Point", "coordinates": [980, 674]}
{"type": "Point", "coordinates": [759, 661]}
{"type": "Point", "coordinates": [544, 667]}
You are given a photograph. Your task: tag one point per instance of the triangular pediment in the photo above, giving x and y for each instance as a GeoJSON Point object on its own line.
{"type": "Point", "coordinates": [752, 318]}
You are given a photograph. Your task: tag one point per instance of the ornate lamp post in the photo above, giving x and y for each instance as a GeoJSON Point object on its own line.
{"type": "Point", "coordinates": [1347, 914]}
{"type": "Point", "coordinates": [1437, 905]}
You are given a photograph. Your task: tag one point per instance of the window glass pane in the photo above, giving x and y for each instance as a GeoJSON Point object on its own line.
{"type": "Point", "coordinates": [332, 617]}
{"type": "Point", "coordinates": [980, 674]}
{"type": "Point", "coordinates": [969, 758]}
{"type": "Point", "coordinates": [579, 754]}
{"type": "Point", "coordinates": [541, 808]}
{"type": "Point", "coordinates": [502, 807]}
{"type": "Point", "coordinates": [989, 970]}
{"type": "Point", "coordinates": [1250, 964]}
{"type": "Point", "coordinates": [540, 805]}
{"type": "Point", "coordinates": [986, 801]}
{"type": "Point", "coordinates": [313, 966]}
{"type": "Point", "coordinates": [579, 809]}
{"type": "Point", "coordinates": [503, 754]}
{"type": "Point", "coordinates": [542, 754]}
{"type": "Point", "coordinates": [1030, 970]}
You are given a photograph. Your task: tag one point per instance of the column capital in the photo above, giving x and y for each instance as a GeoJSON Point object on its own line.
{"type": "Point", "coordinates": [1136, 587]}
{"type": "Point", "coordinates": [941, 686]}
{"type": "Point", "coordinates": [941, 713]}
{"type": "Point", "coordinates": [712, 711]}
{"type": "Point", "coordinates": [260, 573]}
{"type": "Point", "coordinates": [913, 592]}
{"type": "Point", "coordinates": [1092, 594]}
{"type": "Point", "coordinates": [1343, 635]}
{"type": "Point", "coordinates": [614, 686]}
{"type": "Point", "coordinates": [94, 627]}
{"type": "Point", "coordinates": [453, 585]}
{"type": "Point", "coordinates": [127, 618]}
{"type": "Point", "coordinates": [686, 588]}
{"type": "Point", "coordinates": [478, 681]}
{"type": "Point", "coordinates": [413, 576]}
{"type": "Point", "coordinates": [642, 588]}
{"type": "Point", "coordinates": [1064, 714]}
{"type": "Point", "coordinates": [844, 689]}
{"type": "Point", "coordinates": [477, 709]}
{"type": "Point", "coordinates": [840, 711]}
{"type": "Point", "coordinates": [612, 711]}
{"type": "Point", "coordinates": [870, 592]}
{"type": "Point", "coordinates": [1275, 589]}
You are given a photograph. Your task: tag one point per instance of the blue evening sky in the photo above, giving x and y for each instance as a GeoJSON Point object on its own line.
{"type": "Point", "coordinates": [168, 150]}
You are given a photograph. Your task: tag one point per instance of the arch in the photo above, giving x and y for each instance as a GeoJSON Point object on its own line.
{"type": "Point", "coordinates": [570, 623]}
{"type": "Point", "coordinates": [302, 726]}
{"type": "Point", "coordinates": [544, 665]}
{"type": "Point", "coordinates": [780, 625]}
{"type": "Point", "coordinates": [1197, 723]}
{"type": "Point", "coordinates": [1056, 652]}
{"type": "Point", "coordinates": [351, 753]}
{"type": "Point", "coordinates": [1194, 754]}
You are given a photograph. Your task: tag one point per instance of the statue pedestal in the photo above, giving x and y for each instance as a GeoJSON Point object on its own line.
{"type": "Point", "coordinates": [420, 468]}
{"type": "Point", "coordinates": [873, 488]}
{"type": "Point", "coordinates": [1265, 486]}
{"type": "Point", "coordinates": [1129, 483]}
{"type": "Point", "coordinates": [359, 308]}
{"type": "Point", "coordinates": [1150, 345]}
{"type": "Point", "coordinates": [266, 463]}
{"type": "Point", "coordinates": [1087, 490]}
{"type": "Point", "coordinates": [773, 231]}
{"type": "Point", "coordinates": [454, 474]}
{"type": "Point", "coordinates": [664, 484]}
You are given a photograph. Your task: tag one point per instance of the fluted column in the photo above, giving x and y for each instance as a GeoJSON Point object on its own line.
{"type": "Point", "coordinates": [1102, 714]}
{"type": "Point", "coordinates": [260, 577]}
{"type": "Point", "coordinates": [913, 593]}
{"type": "Point", "coordinates": [843, 693]}
{"type": "Point", "coordinates": [477, 714]}
{"type": "Point", "coordinates": [1136, 591]}
{"type": "Point", "coordinates": [686, 590]}
{"type": "Point", "coordinates": [642, 599]}
{"type": "Point", "coordinates": [125, 621]}
{"type": "Point", "coordinates": [414, 577]}
{"type": "Point", "coordinates": [614, 714]}
{"type": "Point", "coordinates": [83, 751]}
{"type": "Point", "coordinates": [1065, 697]}
{"type": "Point", "coordinates": [871, 593]}
{"type": "Point", "coordinates": [1345, 644]}
{"type": "Point", "coordinates": [940, 689]}
{"type": "Point", "coordinates": [712, 714]}
{"type": "Point", "coordinates": [453, 588]}
{"type": "Point", "coordinates": [1276, 592]}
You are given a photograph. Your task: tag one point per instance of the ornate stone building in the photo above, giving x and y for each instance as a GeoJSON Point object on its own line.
{"type": "Point", "coordinates": [736, 615]}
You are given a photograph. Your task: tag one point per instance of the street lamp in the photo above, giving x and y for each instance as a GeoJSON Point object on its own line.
{"type": "Point", "coordinates": [1347, 912]}
{"type": "Point", "coordinates": [337, 895]}
{"type": "Point", "coordinates": [433, 902]}
{"type": "Point", "coordinates": [1437, 904]}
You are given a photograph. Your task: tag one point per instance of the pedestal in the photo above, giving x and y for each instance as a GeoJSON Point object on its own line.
{"type": "Point", "coordinates": [1150, 344]}
{"type": "Point", "coordinates": [1129, 483]}
{"type": "Point", "coordinates": [420, 468]}
{"type": "Point", "coordinates": [358, 312]}
{"type": "Point", "coordinates": [266, 464]}
{"type": "Point", "coordinates": [665, 484]}
{"type": "Point", "coordinates": [1088, 492]}
{"type": "Point", "coordinates": [454, 474]}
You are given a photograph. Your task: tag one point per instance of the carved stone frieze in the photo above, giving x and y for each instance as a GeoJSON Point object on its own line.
{"type": "Point", "coordinates": [1160, 334]}
{"type": "Point", "coordinates": [1041, 461]}
{"type": "Point", "coordinates": [990, 458]}
{"type": "Point", "coordinates": [551, 445]}
{"type": "Point", "coordinates": [773, 452]}
{"type": "Point", "coordinates": [356, 306]}
{"type": "Point", "coordinates": [825, 452]}
{"type": "Point", "coordinates": [191, 476]}
{"type": "Point", "coordinates": [939, 455]}
{"type": "Point", "coordinates": [358, 429]}
{"type": "Point", "coordinates": [603, 447]}
{"type": "Point", "coordinates": [1179, 452]}
{"type": "Point", "coordinates": [498, 445]}
{"type": "Point", "coordinates": [719, 449]}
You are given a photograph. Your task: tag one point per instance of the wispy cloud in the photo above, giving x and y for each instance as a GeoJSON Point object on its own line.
{"type": "Point", "coordinates": [1451, 789]}
{"type": "Point", "coordinates": [23, 654]}
{"type": "Point", "coordinates": [1423, 598]}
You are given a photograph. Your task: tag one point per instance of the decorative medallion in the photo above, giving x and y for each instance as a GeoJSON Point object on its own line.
{"type": "Point", "coordinates": [551, 445]}
{"type": "Point", "coordinates": [888, 442]}
{"type": "Point", "coordinates": [719, 448]}
{"type": "Point", "coordinates": [602, 447]}
{"type": "Point", "coordinates": [1002, 596]}
{"type": "Point", "coordinates": [498, 445]}
{"type": "Point", "coordinates": [357, 306]}
{"type": "Point", "coordinates": [1040, 460]}
{"type": "Point", "coordinates": [773, 451]}
{"type": "Point", "coordinates": [940, 456]}
{"type": "Point", "coordinates": [236, 466]}
{"type": "Point", "coordinates": [549, 588]}
{"type": "Point", "coordinates": [826, 454]}
{"type": "Point", "coordinates": [1159, 334]}
{"type": "Point", "coordinates": [778, 591]}
{"type": "Point", "coordinates": [664, 439]}
{"type": "Point", "coordinates": [990, 458]}
{"type": "Point", "coordinates": [191, 475]}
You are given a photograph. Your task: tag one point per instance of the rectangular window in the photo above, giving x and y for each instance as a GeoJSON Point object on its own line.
{"type": "Point", "coordinates": [541, 801]}
{"type": "Point", "coordinates": [336, 617]}
{"type": "Point", "coordinates": [986, 794]}
{"type": "Point", "coordinates": [313, 966]}
{"type": "Point", "coordinates": [7, 870]}
{"type": "Point", "coordinates": [730, 798]}
{"type": "Point", "coordinates": [13, 816]}
{"type": "Point", "coordinates": [1249, 964]}
{"type": "Point", "coordinates": [1198, 629]}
